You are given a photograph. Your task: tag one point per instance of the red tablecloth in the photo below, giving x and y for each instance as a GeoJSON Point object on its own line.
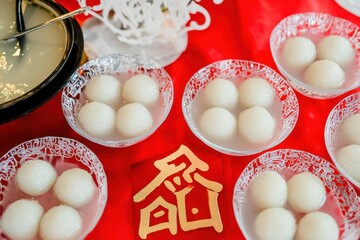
{"type": "Point", "coordinates": [239, 29]}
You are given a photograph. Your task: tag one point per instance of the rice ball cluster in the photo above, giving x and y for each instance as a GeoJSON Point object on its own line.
{"type": "Point", "coordinates": [322, 65]}
{"type": "Point", "coordinates": [113, 108]}
{"type": "Point", "coordinates": [105, 89]}
{"type": "Point", "coordinates": [268, 190]}
{"type": "Point", "coordinates": [317, 225]}
{"type": "Point", "coordinates": [35, 177]}
{"type": "Point", "coordinates": [61, 222]}
{"type": "Point", "coordinates": [348, 156]}
{"type": "Point", "coordinates": [26, 218]}
{"type": "Point", "coordinates": [278, 203]}
{"type": "Point", "coordinates": [306, 192]}
{"type": "Point", "coordinates": [298, 53]}
{"type": "Point", "coordinates": [21, 219]}
{"type": "Point", "coordinates": [75, 187]}
{"type": "Point", "coordinates": [221, 93]}
{"type": "Point", "coordinates": [254, 124]}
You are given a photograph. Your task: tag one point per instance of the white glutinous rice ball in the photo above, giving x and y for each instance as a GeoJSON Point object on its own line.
{"type": "Point", "coordinates": [324, 74]}
{"type": "Point", "coordinates": [61, 222]}
{"type": "Point", "coordinates": [141, 89]}
{"type": "Point", "coordinates": [256, 92]}
{"type": "Point", "coordinates": [306, 192]}
{"type": "Point", "coordinates": [256, 125]}
{"type": "Point", "coordinates": [35, 177]}
{"type": "Point", "coordinates": [218, 123]}
{"type": "Point", "coordinates": [97, 118]}
{"type": "Point", "coordinates": [133, 120]}
{"type": "Point", "coordinates": [275, 224]}
{"type": "Point", "coordinates": [298, 53]}
{"type": "Point", "coordinates": [75, 187]}
{"type": "Point", "coordinates": [268, 190]}
{"type": "Point", "coordinates": [21, 219]}
{"type": "Point", "coordinates": [349, 159]}
{"type": "Point", "coordinates": [350, 129]}
{"type": "Point", "coordinates": [337, 49]}
{"type": "Point", "coordinates": [105, 89]}
{"type": "Point", "coordinates": [221, 93]}
{"type": "Point", "coordinates": [317, 225]}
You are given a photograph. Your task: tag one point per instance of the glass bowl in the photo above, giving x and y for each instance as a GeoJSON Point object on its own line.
{"type": "Point", "coordinates": [62, 153]}
{"type": "Point", "coordinates": [296, 161]}
{"type": "Point", "coordinates": [315, 26]}
{"type": "Point", "coordinates": [17, 98]}
{"type": "Point", "coordinates": [116, 65]}
{"type": "Point", "coordinates": [333, 139]}
{"type": "Point", "coordinates": [239, 70]}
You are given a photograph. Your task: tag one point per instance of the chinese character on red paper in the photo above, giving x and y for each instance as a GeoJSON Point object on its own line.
{"type": "Point", "coordinates": [182, 177]}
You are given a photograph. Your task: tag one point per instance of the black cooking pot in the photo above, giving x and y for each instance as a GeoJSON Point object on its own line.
{"type": "Point", "coordinates": [45, 90]}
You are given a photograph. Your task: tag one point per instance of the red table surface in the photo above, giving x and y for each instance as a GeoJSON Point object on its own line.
{"type": "Point", "coordinates": [239, 29]}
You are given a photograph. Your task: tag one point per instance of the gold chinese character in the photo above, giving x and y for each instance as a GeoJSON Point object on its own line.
{"type": "Point", "coordinates": [167, 169]}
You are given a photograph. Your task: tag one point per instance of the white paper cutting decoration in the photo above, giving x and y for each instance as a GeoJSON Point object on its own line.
{"type": "Point", "coordinates": [157, 28]}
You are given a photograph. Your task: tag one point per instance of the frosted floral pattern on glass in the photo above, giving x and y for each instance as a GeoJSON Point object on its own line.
{"type": "Point", "coordinates": [300, 161]}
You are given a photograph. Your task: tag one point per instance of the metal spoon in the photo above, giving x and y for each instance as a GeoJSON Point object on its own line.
{"type": "Point", "coordinates": [47, 23]}
{"type": "Point", "coordinates": [20, 24]}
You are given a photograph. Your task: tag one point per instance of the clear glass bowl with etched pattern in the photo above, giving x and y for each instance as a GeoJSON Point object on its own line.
{"type": "Point", "coordinates": [62, 154]}
{"type": "Point", "coordinates": [342, 202]}
{"type": "Point", "coordinates": [284, 108]}
{"type": "Point", "coordinates": [316, 26]}
{"type": "Point", "coordinates": [122, 67]}
{"type": "Point", "coordinates": [335, 139]}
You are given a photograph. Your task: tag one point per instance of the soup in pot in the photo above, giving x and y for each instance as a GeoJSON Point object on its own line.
{"type": "Point", "coordinates": [21, 70]}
